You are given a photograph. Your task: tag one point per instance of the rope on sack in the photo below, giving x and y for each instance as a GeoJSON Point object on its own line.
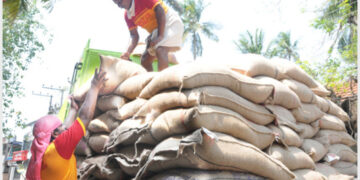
{"type": "Point", "coordinates": [141, 133]}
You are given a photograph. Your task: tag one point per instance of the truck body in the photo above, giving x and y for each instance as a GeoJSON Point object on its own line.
{"type": "Point", "coordinates": [85, 68]}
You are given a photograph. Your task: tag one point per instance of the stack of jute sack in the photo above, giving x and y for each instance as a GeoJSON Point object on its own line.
{"type": "Point", "coordinates": [252, 118]}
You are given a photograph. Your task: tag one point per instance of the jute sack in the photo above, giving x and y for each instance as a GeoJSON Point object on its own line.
{"type": "Point", "coordinates": [322, 103]}
{"type": "Point", "coordinates": [214, 118]}
{"type": "Point", "coordinates": [325, 169]}
{"type": "Point", "coordinates": [97, 142]}
{"type": "Point", "coordinates": [254, 65]}
{"type": "Point", "coordinates": [193, 174]}
{"type": "Point", "coordinates": [226, 121]}
{"type": "Point", "coordinates": [346, 168]}
{"type": "Point", "coordinates": [103, 123]}
{"type": "Point", "coordinates": [331, 172]}
{"type": "Point", "coordinates": [334, 137]}
{"type": "Point", "coordinates": [128, 110]}
{"type": "Point", "coordinates": [302, 91]}
{"type": "Point", "coordinates": [98, 126]}
{"type": "Point", "coordinates": [287, 135]}
{"type": "Point", "coordinates": [212, 151]}
{"type": "Point", "coordinates": [117, 70]}
{"type": "Point", "coordinates": [194, 75]}
{"type": "Point", "coordinates": [283, 117]}
{"type": "Point", "coordinates": [308, 174]}
{"type": "Point", "coordinates": [164, 101]}
{"type": "Point", "coordinates": [314, 149]}
{"type": "Point", "coordinates": [340, 176]}
{"type": "Point", "coordinates": [94, 168]}
{"type": "Point", "coordinates": [307, 113]}
{"type": "Point", "coordinates": [308, 130]}
{"type": "Point", "coordinates": [109, 102]}
{"type": "Point", "coordinates": [132, 86]}
{"type": "Point", "coordinates": [344, 152]}
{"type": "Point", "coordinates": [291, 155]}
{"type": "Point", "coordinates": [79, 161]}
{"type": "Point", "coordinates": [337, 111]}
{"type": "Point", "coordinates": [82, 148]}
{"type": "Point", "coordinates": [130, 158]}
{"type": "Point", "coordinates": [223, 97]}
{"type": "Point", "coordinates": [320, 90]}
{"type": "Point", "coordinates": [207, 95]}
{"type": "Point", "coordinates": [169, 123]}
{"type": "Point", "coordinates": [331, 122]}
{"type": "Point", "coordinates": [283, 95]}
{"type": "Point", "coordinates": [125, 134]}
{"type": "Point", "coordinates": [293, 71]}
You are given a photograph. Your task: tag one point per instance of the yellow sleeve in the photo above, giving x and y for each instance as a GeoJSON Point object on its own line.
{"type": "Point", "coordinates": [81, 124]}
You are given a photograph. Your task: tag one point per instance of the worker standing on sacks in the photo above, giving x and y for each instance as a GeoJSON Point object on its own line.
{"type": "Point", "coordinates": [164, 25]}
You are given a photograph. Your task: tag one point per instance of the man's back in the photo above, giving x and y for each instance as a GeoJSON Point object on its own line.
{"type": "Point", "coordinates": [59, 161]}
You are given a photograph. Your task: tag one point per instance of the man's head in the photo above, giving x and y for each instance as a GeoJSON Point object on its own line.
{"type": "Point", "coordinates": [123, 3]}
{"type": "Point", "coordinates": [47, 128]}
{"type": "Point", "coordinates": [56, 132]}
{"type": "Point", "coordinates": [42, 131]}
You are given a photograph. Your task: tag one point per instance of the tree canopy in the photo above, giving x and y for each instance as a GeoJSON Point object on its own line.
{"type": "Point", "coordinates": [251, 43]}
{"type": "Point", "coordinates": [190, 14]}
{"type": "Point", "coordinates": [21, 44]}
{"type": "Point", "coordinates": [281, 46]}
{"type": "Point", "coordinates": [338, 19]}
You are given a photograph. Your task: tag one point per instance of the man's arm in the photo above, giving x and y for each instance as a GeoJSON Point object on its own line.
{"type": "Point", "coordinates": [70, 118]}
{"type": "Point", "coordinates": [160, 18]}
{"type": "Point", "coordinates": [86, 112]}
{"type": "Point", "coordinates": [66, 142]}
{"type": "Point", "coordinates": [134, 41]}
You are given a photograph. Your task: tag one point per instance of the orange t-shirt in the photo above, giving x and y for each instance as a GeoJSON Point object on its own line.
{"type": "Point", "coordinates": [59, 162]}
{"type": "Point", "coordinates": [145, 16]}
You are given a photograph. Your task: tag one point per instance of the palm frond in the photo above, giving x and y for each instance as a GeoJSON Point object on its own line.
{"type": "Point", "coordinates": [177, 6]}
{"type": "Point", "coordinates": [207, 29]}
{"type": "Point", "coordinates": [191, 18]}
{"type": "Point", "coordinates": [12, 8]}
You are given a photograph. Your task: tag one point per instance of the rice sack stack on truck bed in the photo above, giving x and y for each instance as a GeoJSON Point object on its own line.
{"type": "Point", "coordinates": [262, 119]}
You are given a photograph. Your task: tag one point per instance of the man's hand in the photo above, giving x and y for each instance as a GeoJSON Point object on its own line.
{"type": "Point", "coordinates": [70, 118]}
{"type": "Point", "coordinates": [155, 41]}
{"type": "Point", "coordinates": [74, 105]}
{"type": "Point", "coordinates": [86, 112]}
{"type": "Point", "coordinates": [98, 81]}
{"type": "Point", "coordinates": [125, 55]}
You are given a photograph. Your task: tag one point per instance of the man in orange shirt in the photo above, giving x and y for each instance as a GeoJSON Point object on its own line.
{"type": "Point", "coordinates": [164, 25]}
{"type": "Point", "coordinates": [53, 145]}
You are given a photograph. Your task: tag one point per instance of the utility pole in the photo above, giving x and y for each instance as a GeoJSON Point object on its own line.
{"type": "Point", "coordinates": [62, 90]}
{"type": "Point", "coordinates": [46, 95]}
{"type": "Point", "coordinates": [52, 109]}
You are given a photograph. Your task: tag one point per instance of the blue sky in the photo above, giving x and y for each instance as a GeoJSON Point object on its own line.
{"type": "Point", "coordinates": [72, 23]}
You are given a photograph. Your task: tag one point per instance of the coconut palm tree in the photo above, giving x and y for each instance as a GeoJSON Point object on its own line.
{"type": "Point", "coordinates": [175, 5]}
{"type": "Point", "coordinates": [338, 19]}
{"type": "Point", "coordinates": [284, 47]}
{"type": "Point", "coordinates": [193, 27]}
{"type": "Point", "coordinates": [248, 43]}
{"type": "Point", "coordinates": [13, 8]}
